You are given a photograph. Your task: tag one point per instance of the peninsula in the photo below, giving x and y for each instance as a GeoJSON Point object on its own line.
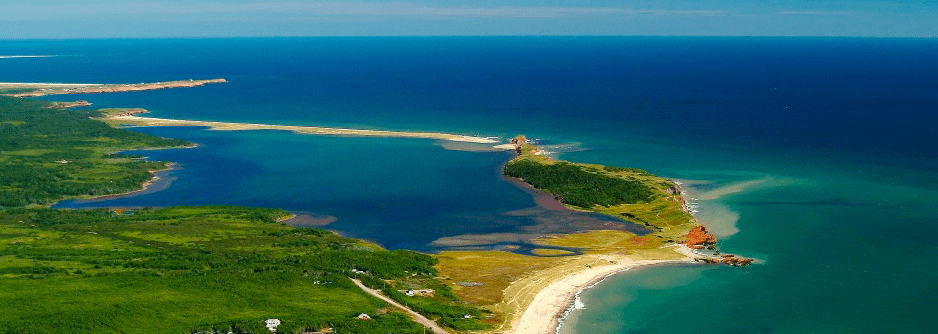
{"type": "Point", "coordinates": [532, 293]}
{"type": "Point", "coordinates": [43, 89]}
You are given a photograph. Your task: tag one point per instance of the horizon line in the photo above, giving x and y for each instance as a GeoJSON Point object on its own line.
{"type": "Point", "coordinates": [444, 36]}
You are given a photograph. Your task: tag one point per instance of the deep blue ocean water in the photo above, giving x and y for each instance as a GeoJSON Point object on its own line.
{"type": "Point", "coordinates": [815, 155]}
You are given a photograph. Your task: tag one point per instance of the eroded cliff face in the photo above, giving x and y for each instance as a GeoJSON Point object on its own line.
{"type": "Point", "coordinates": [698, 238]}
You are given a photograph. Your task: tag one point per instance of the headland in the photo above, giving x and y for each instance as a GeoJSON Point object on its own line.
{"type": "Point", "coordinates": [533, 293]}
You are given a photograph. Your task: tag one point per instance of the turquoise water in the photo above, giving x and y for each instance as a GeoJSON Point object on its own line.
{"type": "Point", "coordinates": [814, 155]}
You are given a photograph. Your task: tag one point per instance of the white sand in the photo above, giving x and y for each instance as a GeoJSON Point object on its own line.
{"type": "Point", "coordinates": [149, 121]}
{"type": "Point", "coordinates": [543, 314]}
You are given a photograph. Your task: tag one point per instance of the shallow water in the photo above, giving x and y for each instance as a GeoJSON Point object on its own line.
{"type": "Point", "coordinates": [400, 193]}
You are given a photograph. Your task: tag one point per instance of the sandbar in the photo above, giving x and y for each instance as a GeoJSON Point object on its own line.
{"type": "Point", "coordinates": [227, 126]}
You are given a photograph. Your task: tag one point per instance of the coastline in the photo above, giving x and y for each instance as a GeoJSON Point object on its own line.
{"type": "Point", "coordinates": [160, 181]}
{"type": "Point", "coordinates": [133, 120]}
{"type": "Point", "coordinates": [545, 313]}
{"type": "Point", "coordinates": [43, 89]}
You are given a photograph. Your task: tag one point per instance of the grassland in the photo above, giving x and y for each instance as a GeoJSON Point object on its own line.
{"type": "Point", "coordinates": [176, 270]}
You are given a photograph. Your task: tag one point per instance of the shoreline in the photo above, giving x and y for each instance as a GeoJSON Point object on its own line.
{"type": "Point", "coordinates": [133, 120]}
{"type": "Point", "coordinates": [160, 177]}
{"type": "Point", "coordinates": [550, 306]}
{"type": "Point", "coordinates": [43, 89]}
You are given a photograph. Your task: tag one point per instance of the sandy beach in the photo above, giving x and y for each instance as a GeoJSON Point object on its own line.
{"type": "Point", "coordinates": [225, 126]}
{"type": "Point", "coordinates": [43, 89]}
{"type": "Point", "coordinates": [543, 314]}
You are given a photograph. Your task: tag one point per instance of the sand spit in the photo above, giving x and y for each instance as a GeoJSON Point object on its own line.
{"type": "Point", "coordinates": [225, 126]}
{"type": "Point", "coordinates": [59, 89]}
{"type": "Point", "coordinates": [543, 314]}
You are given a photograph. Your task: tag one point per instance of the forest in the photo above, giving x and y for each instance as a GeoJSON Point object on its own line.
{"type": "Point", "coordinates": [575, 185]}
{"type": "Point", "coordinates": [199, 269]}
{"type": "Point", "coordinates": [49, 154]}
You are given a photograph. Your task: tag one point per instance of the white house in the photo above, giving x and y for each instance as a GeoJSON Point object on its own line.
{"type": "Point", "coordinates": [272, 324]}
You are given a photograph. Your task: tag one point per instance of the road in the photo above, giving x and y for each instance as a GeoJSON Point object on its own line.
{"type": "Point", "coordinates": [419, 318]}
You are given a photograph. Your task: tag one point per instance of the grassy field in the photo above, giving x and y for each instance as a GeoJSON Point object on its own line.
{"type": "Point", "coordinates": [175, 270]}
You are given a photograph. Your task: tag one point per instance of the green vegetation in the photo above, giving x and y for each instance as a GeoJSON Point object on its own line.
{"type": "Point", "coordinates": [176, 270]}
{"type": "Point", "coordinates": [16, 90]}
{"type": "Point", "coordinates": [443, 305]}
{"type": "Point", "coordinates": [576, 185]}
{"type": "Point", "coordinates": [628, 193]}
{"type": "Point", "coordinates": [181, 269]}
{"type": "Point", "coordinates": [50, 154]}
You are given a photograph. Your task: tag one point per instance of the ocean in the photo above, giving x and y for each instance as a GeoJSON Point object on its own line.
{"type": "Point", "coordinates": [814, 155]}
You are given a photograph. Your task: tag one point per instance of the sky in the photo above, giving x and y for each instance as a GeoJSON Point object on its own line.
{"type": "Point", "coordinates": [69, 19]}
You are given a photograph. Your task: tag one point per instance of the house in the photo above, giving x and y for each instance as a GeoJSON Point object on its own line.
{"type": "Point", "coordinates": [467, 316]}
{"type": "Point", "coordinates": [363, 317]}
{"type": "Point", "coordinates": [272, 324]}
{"type": "Point", "coordinates": [418, 292]}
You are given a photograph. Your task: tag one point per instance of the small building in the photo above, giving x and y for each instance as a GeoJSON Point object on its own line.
{"type": "Point", "coordinates": [272, 324]}
{"type": "Point", "coordinates": [467, 316]}
{"type": "Point", "coordinates": [363, 316]}
{"type": "Point", "coordinates": [417, 292]}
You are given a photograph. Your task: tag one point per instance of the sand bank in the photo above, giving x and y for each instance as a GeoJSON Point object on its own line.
{"type": "Point", "coordinates": [543, 314]}
{"type": "Point", "coordinates": [40, 89]}
{"type": "Point", "coordinates": [225, 126]}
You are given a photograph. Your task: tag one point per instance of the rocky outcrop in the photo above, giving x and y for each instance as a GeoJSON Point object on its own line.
{"type": "Point", "coordinates": [698, 238]}
{"type": "Point", "coordinates": [66, 105]}
{"type": "Point", "coordinates": [131, 112]}
{"type": "Point", "coordinates": [728, 259]}
{"type": "Point", "coordinates": [736, 261]}
{"type": "Point", "coordinates": [519, 140]}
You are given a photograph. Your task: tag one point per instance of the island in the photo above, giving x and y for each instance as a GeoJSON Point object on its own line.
{"type": "Point", "coordinates": [233, 269]}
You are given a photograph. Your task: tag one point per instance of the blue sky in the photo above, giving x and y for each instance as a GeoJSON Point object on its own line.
{"type": "Point", "coordinates": [21, 19]}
